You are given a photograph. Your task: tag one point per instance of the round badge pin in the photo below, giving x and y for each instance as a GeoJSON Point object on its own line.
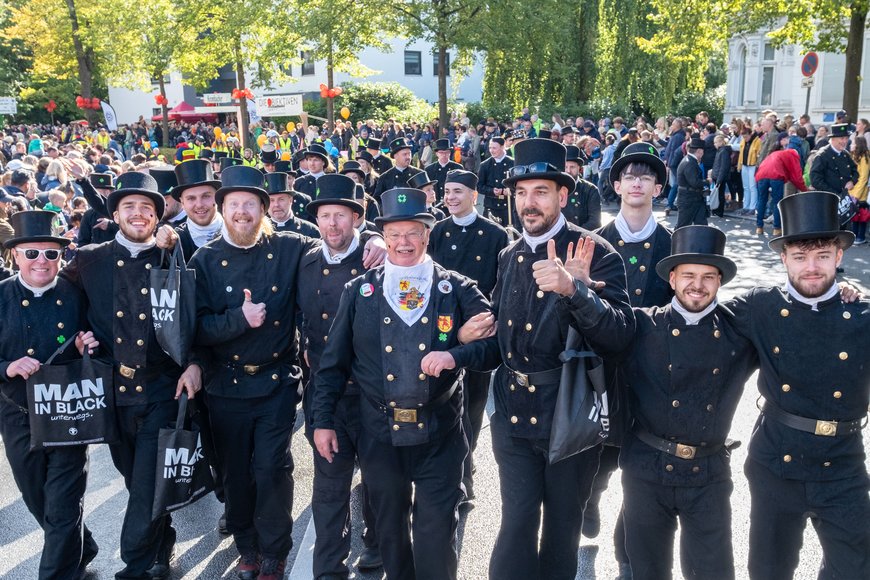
{"type": "Point", "coordinates": [366, 290]}
{"type": "Point", "coordinates": [445, 287]}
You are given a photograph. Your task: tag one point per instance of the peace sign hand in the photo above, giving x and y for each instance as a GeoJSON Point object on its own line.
{"type": "Point", "coordinates": [579, 262]}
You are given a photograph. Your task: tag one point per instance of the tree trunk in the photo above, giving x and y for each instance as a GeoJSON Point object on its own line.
{"type": "Point", "coordinates": [330, 103]}
{"type": "Point", "coordinates": [165, 111]}
{"type": "Point", "coordinates": [84, 59]}
{"type": "Point", "coordinates": [244, 126]}
{"type": "Point", "coordinates": [854, 51]}
{"type": "Point", "coordinates": [443, 118]}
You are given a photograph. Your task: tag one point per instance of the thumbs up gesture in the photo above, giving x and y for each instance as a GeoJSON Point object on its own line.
{"type": "Point", "coordinates": [553, 275]}
{"type": "Point", "coordinates": [255, 313]}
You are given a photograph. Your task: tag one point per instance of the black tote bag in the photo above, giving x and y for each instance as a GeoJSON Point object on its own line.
{"type": "Point", "coordinates": [581, 419]}
{"type": "Point", "coordinates": [183, 473]}
{"type": "Point", "coordinates": [173, 306]}
{"type": "Point", "coordinates": [71, 403]}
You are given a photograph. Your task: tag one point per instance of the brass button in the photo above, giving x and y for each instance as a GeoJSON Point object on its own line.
{"type": "Point", "coordinates": [118, 340]}
{"type": "Point", "coordinates": [60, 324]}
{"type": "Point", "coordinates": [532, 388]}
{"type": "Point", "coordinates": [528, 326]}
{"type": "Point", "coordinates": [25, 303]}
{"type": "Point", "coordinates": [274, 377]}
{"type": "Point", "coordinates": [324, 316]}
{"type": "Point", "coordinates": [387, 320]}
{"type": "Point", "coordinates": [675, 403]}
{"type": "Point", "coordinates": [235, 357]}
{"type": "Point", "coordinates": [513, 388]}
{"type": "Point", "coordinates": [716, 371]}
{"type": "Point", "coordinates": [669, 467]}
{"type": "Point", "coordinates": [477, 258]}
{"type": "Point", "coordinates": [274, 288]}
{"type": "Point", "coordinates": [533, 420]}
{"type": "Point", "coordinates": [847, 315]}
{"type": "Point", "coordinates": [510, 355]}
{"type": "Point", "coordinates": [122, 388]}
{"type": "Point", "coordinates": [646, 246]}
{"type": "Point", "coordinates": [479, 232]}
{"type": "Point", "coordinates": [392, 403]}
{"type": "Point", "coordinates": [142, 316]}
{"type": "Point", "coordinates": [638, 292]}
{"type": "Point", "coordinates": [144, 291]}
{"type": "Point", "coordinates": [837, 394]}
{"type": "Point", "coordinates": [515, 419]}
{"type": "Point", "coordinates": [696, 469]}
{"type": "Point", "coordinates": [147, 266]}
{"type": "Point", "coordinates": [274, 355]}
{"type": "Point", "coordinates": [326, 271]}
{"type": "Point", "coordinates": [268, 256]}
{"type": "Point", "coordinates": [59, 302]}
{"type": "Point", "coordinates": [844, 355]}
{"type": "Point", "coordinates": [786, 388]}
{"type": "Point", "coordinates": [120, 263]}
{"type": "Point", "coordinates": [520, 259]}
{"type": "Point", "coordinates": [425, 320]}
{"type": "Point", "coordinates": [140, 342]}
{"type": "Point", "coordinates": [676, 332]}
{"type": "Point", "coordinates": [669, 368]}
{"type": "Point", "coordinates": [421, 376]}
{"type": "Point", "coordinates": [642, 268]}
{"type": "Point", "coordinates": [391, 378]}
{"type": "Point", "coordinates": [224, 263]}
{"type": "Point", "coordinates": [539, 294]}
{"type": "Point", "coordinates": [325, 338]}
{"type": "Point", "coordinates": [446, 234]}
{"type": "Point", "coordinates": [421, 346]}
{"type": "Point", "coordinates": [776, 350]}
{"type": "Point", "coordinates": [395, 427]}
{"type": "Point", "coordinates": [621, 242]}
{"type": "Point", "coordinates": [717, 333]}
{"type": "Point", "coordinates": [388, 348]}
{"type": "Point", "coordinates": [787, 458]}
{"type": "Point", "coordinates": [709, 408]}
{"type": "Point", "coordinates": [31, 352]}
{"type": "Point", "coordinates": [139, 388]}
{"type": "Point", "coordinates": [510, 322]}
{"type": "Point", "coordinates": [419, 425]}
{"type": "Point", "coordinates": [277, 323]}
{"type": "Point", "coordinates": [353, 272]}
{"type": "Point", "coordinates": [783, 312]}
{"type": "Point", "coordinates": [119, 314]}
{"type": "Point", "coordinates": [826, 464]}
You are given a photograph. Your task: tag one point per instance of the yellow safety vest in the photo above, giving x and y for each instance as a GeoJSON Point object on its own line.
{"type": "Point", "coordinates": [252, 162]}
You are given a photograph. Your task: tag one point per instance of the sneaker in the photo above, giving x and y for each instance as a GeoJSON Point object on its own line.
{"type": "Point", "coordinates": [248, 567]}
{"type": "Point", "coordinates": [272, 569]}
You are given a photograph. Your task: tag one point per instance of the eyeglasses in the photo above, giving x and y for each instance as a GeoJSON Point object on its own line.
{"type": "Point", "coordinates": [32, 254]}
{"type": "Point", "coordinates": [410, 236]}
{"type": "Point", "coordinates": [641, 178]}
{"type": "Point", "coordinates": [538, 167]}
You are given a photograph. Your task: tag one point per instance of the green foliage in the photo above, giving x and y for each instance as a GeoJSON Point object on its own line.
{"type": "Point", "coordinates": [498, 111]}
{"type": "Point", "coordinates": [378, 101]}
{"type": "Point", "coordinates": [689, 103]}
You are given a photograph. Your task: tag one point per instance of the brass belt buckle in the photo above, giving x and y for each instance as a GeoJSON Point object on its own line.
{"type": "Point", "coordinates": [826, 428]}
{"type": "Point", "coordinates": [405, 415]}
{"type": "Point", "coordinates": [685, 451]}
{"type": "Point", "coordinates": [522, 378]}
{"type": "Point", "coordinates": [127, 372]}
{"type": "Point", "coordinates": [252, 369]}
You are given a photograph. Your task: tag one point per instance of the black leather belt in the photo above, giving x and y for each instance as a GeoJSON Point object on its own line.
{"type": "Point", "coordinates": [814, 426]}
{"type": "Point", "coordinates": [673, 448]}
{"type": "Point", "coordinates": [143, 373]}
{"type": "Point", "coordinates": [249, 369]}
{"type": "Point", "coordinates": [410, 415]}
{"type": "Point", "coordinates": [539, 377]}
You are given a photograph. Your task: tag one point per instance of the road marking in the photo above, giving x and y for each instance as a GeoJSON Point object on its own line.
{"type": "Point", "coordinates": [303, 565]}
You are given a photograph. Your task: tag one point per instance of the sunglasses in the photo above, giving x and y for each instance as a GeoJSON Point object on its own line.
{"type": "Point", "coordinates": [538, 167]}
{"type": "Point", "coordinates": [32, 254]}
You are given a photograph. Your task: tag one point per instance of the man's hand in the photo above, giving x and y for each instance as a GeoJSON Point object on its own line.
{"type": "Point", "coordinates": [849, 185]}
{"type": "Point", "coordinates": [437, 361]}
{"type": "Point", "coordinates": [190, 381]}
{"type": "Point", "coordinates": [849, 293]}
{"type": "Point", "coordinates": [166, 237]}
{"type": "Point", "coordinates": [102, 224]}
{"type": "Point", "coordinates": [86, 340]}
{"type": "Point", "coordinates": [326, 443]}
{"type": "Point", "coordinates": [579, 262]}
{"type": "Point", "coordinates": [478, 326]}
{"type": "Point", "coordinates": [550, 274]}
{"type": "Point", "coordinates": [23, 367]}
{"type": "Point", "coordinates": [255, 314]}
{"type": "Point", "coordinates": [374, 252]}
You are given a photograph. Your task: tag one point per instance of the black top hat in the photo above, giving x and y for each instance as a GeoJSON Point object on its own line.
{"type": "Point", "coordinates": [840, 130]}
{"type": "Point", "coordinates": [242, 178]}
{"type": "Point", "coordinates": [466, 178]}
{"type": "Point", "coordinates": [218, 155]}
{"type": "Point", "coordinates": [165, 179]}
{"type": "Point", "coordinates": [567, 129]}
{"type": "Point", "coordinates": [193, 173]}
{"type": "Point", "coordinates": [227, 162]}
{"type": "Point", "coordinates": [420, 180]}
{"type": "Point", "coordinates": [694, 143]}
{"type": "Point", "coordinates": [442, 145]}
{"type": "Point", "coordinates": [268, 153]}
{"type": "Point", "coordinates": [359, 192]}
{"type": "Point", "coordinates": [206, 154]}
{"type": "Point", "coordinates": [640, 153]}
{"type": "Point", "coordinates": [335, 189]}
{"type": "Point", "coordinates": [698, 245]}
{"type": "Point", "coordinates": [317, 150]}
{"type": "Point", "coordinates": [398, 144]}
{"type": "Point", "coordinates": [373, 143]}
{"type": "Point", "coordinates": [276, 182]}
{"type": "Point", "coordinates": [808, 216]}
{"type": "Point", "coordinates": [284, 166]}
{"type": "Point", "coordinates": [402, 204]}
{"type": "Point", "coordinates": [539, 159]}
{"type": "Point", "coordinates": [102, 180]}
{"type": "Point", "coordinates": [136, 183]}
{"type": "Point", "coordinates": [33, 226]}
{"type": "Point", "coordinates": [573, 153]}
{"type": "Point", "coordinates": [545, 134]}
{"type": "Point", "coordinates": [353, 167]}
{"type": "Point", "coordinates": [365, 156]}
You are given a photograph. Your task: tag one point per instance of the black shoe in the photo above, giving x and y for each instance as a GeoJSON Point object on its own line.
{"type": "Point", "coordinates": [370, 559]}
{"type": "Point", "coordinates": [222, 524]}
{"type": "Point", "coordinates": [90, 552]}
{"type": "Point", "coordinates": [161, 568]}
{"type": "Point", "coordinates": [591, 521]}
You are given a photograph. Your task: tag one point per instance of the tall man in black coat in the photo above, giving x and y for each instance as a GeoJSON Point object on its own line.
{"type": "Point", "coordinates": [96, 226]}
{"type": "Point", "coordinates": [281, 202]}
{"type": "Point", "coordinates": [115, 278]}
{"type": "Point", "coordinates": [194, 190]}
{"type": "Point", "coordinates": [584, 202]}
{"type": "Point", "coordinates": [535, 300]}
{"type": "Point", "coordinates": [691, 186]}
{"type": "Point", "coordinates": [401, 172]}
{"type": "Point", "coordinates": [396, 333]}
{"type": "Point", "coordinates": [469, 243]}
{"type": "Point", "coordinates": [834, 169]}
{"type": "Point", "coordinates": [305, 186]}
{"type": "Point", "coordinates": [491, 178]}
{"type": "Point", "coordinates": [437, 171]}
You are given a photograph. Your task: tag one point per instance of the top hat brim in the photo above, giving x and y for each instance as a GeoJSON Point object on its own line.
{"type": "Point", "coordinates": [647, 159]}
{"type": "Point", "coordinates": [394, 150]}
{"type": "Point", "coordinates": [359, 172]}
{"type": "Point", "coordinates": [846, 239]}
{"type": "Point", "coordinates": [12, 242]}
{"type": "Point", "coordinates": [258, 191]}
{"type": "Point", "coordinates": [176, 191]}
{"type": "Point", "coordinates": [559, 177]}
{"type": "Point", "coordinates": [427, 219]}
{"type": "Point", "coordinates": [725, 265]}
{"type": "Point", "coordinates": [116, 196]}
{"type": "Point", "coordinates": [349, 203]}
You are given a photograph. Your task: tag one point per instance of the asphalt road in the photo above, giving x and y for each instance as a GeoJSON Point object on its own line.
{"type": "Point", "coordinates": [203, 553]}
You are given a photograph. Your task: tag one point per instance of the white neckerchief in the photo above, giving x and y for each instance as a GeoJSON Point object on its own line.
{"type": "Point", "coordinates": [179, 217]}
{"type": "Point", "coordinates": [500, 159]}
{"type": "Point", "coordinates": [692, 318]}
{"type": "Point", "coordinates": [400, 169]}
{"type": "Point", "coordinates": [630, 237]}
{"type": "Point", "coordinates": [362, 227]}
{"type": "Point", "coordinates": [534, 241]}
{"type": "Point", "coordinates": [407, 288]}
{"type": "Point", "coordinates": [134, 248]}
{"type": "Point", "coordinates": [281, 224]}
{"type": "Point", "coordinates": [812, 302]}
{"type": "Point", "coordinates": [226, 236]}
{"type": "Point", "coordinates": [37, 292]}
{"type": "Point", "coordinates": [316, 175]}
{"type": "Point", "coordinates": [337, 258]}
{"type": "Point", "coordinates": [467, 220]}
{"type": "Point", "coordinates": [203, 234]}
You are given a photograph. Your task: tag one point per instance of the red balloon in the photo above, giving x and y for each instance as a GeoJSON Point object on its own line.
{"type": "Point", "coordinates": [235, 93]}
{"type": "Point", "coordinates": [338, 91]}
{"type": "Point", "coordinates": [331, 93]}
{"type": "Point", "coordinates": [323, 87]}
{"type": "Point", "coordinates": [80, 100]}
{"type": "Point", "coordinates": [95, 103]}
{"type": "Point", "coordinates": [324, 93]}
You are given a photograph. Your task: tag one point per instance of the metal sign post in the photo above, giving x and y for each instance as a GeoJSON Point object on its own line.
{"type": "Point", "coordinates": [809, 65]}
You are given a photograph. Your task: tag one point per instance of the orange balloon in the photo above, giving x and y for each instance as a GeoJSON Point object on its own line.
{"type": "Point", "coordinates": [261, 139]}
{"type": "Point", "coordinates": [291, 126]}
{"type": "Point", "coordinates": [218, 132]}
{"type": "Point", "coordinates": [345, 112]}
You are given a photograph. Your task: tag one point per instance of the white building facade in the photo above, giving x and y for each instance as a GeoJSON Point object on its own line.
{"type": "Point", "coordinates": [412, 64]}
{"type": "Point", "coordinates": [762, 77]}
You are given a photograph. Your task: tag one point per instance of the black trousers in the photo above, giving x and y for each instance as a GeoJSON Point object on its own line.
{"type": "Point", "coordinates": [839, 511]}
{"type": "Point", "coordinates": [416, 489]}
{"type": "Point", "coordinates": [52, 484]}
{"type": "Point", "coordinates": [693, 210]}
{"type": "Point", "coordinates": [135, 458]}
{"type": "Point", "coordinates": [475, 393]}
{"type": "Point", "coordinates": [253, 438]}
{"type": "Point", "coordinates": [330, 500]}
{"type": "Point", "coordinates": [203, 421]}
{"type": "Point", "coordinates": [529, 483]}
{"type": "Point", "coordinates": [609, 463]}
{"type": "Point", "coordinates": [651, 511]}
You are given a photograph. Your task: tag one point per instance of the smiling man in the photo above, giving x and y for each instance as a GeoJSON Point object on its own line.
{"type": "Point", "coordinates": [195, 191]}
{"type": "Point", "coordinates": [400, 174]}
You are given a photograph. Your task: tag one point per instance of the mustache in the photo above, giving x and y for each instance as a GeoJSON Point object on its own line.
{"type": "Point", "coordinates": [531, 212]}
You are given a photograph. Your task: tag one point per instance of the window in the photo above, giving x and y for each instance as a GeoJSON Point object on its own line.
{"type": "Point", "coordinates": [435, 63]}
{"type": "Point", "coordinates": [307, 63]}
{"type": "Point", "coordinates": [741, 78]}
{"type": "Point", "coordinates": [833, 71]}
{"type": "Point", "coordinates": [766, 86]}
{"type": "Point", "coordinates": [413, 62]}
{"type": "Point", "coordinates": [769, 52]}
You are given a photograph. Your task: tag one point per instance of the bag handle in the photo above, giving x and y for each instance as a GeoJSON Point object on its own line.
{"type": "Point", "coordinates": [182, 411]}
{"type": "Point", "coordinates": [60, 350]}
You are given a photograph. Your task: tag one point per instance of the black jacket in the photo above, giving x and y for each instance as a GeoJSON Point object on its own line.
{"type": "Point", "coordinates": [470, 250]}
{"type": "Point", "coordinates": [584, 206]}
{"type": "Point", "coordinates": [831, 170]}
{"type": "Point", "coordinates": [392, 178]}
{"type": "Point", "coordinates": [722, 165]}
{"type": "Point", "coordinates": [690, 181]}
{"type": "Point", "coordinates": [645, 288]}
{"type": "Point", "coordinates": [492, 175]}
{"type": "Point", "coordinates": [438, 172]}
